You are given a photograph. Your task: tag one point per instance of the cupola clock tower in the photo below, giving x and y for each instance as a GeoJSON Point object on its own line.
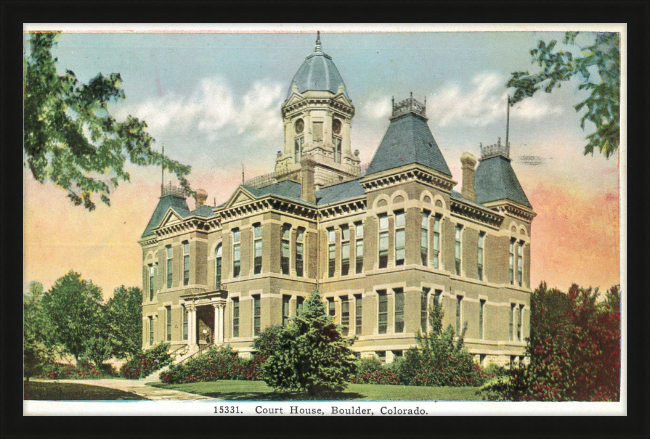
{"type": "Point", "coordinates": [317, 116]}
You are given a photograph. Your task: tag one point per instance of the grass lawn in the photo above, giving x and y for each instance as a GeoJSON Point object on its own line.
{"type": "Point", "coordinates": [43, 391]}
{"type": "Point", "coordinates": [259, 391]}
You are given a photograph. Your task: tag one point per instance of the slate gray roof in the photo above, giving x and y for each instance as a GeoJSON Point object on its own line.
{"type": "Point", "coordinates": [317, 72]}
{"type": "Point", "coordinates": [408, 139]}
{"type": "Point", "coordinates": [203, 211]}
{"type": "Point", "coordinates": [178, 204]}
{"type": "Point", "coordinates": [496, 180]}
{"type": "Point", "coordinates": [284, 189]}
{"type": "Point", "coordinates": [339, 192]}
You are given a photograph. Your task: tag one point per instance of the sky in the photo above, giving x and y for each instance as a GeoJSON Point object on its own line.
{"type": "Point", "coordinates": [213, 99]}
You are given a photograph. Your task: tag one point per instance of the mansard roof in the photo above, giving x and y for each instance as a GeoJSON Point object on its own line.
{"type": "Point", "coordinates": [340, 192]}
{"type": "Point", "coordinates": [496, 180]}
{"type": "Point", "coordinates": [408, 140]}
{"type": "Point", "coordinates": [179, 206]}
{"type": "Point", "coordinates": [284, 189]}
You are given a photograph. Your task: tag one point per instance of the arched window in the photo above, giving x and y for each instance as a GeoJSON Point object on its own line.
{"type": "Point", "coordinates": [217, 264]}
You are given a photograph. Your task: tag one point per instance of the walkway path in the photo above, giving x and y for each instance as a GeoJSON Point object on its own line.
{"type": "Point", "coordinates": [140, 388]}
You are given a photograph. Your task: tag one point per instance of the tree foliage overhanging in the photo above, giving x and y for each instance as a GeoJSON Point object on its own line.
{"type": "Point", "coordinates": [602, 60]}
{"type": "Point", "coordinates": [69, 136]}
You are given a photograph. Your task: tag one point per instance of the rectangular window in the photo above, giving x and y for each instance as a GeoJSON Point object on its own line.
{"type": "Point", "coordinates": [345, 250]}
{"type": "Point", "coordinates": [298, 149]}
{"type": "Point", "coordinates": [382, 318]}
{"type": "Point", "coordinates": [151, 282]}
{"type": "Point", "coordinates": [383, 241]}
{"type": "Point", "coordinates": [436, 242]}
{"type": "Point", "coordinates": [337, 150]}
{"type": "Point", "coordinates": [511, 263]}
{"type": "Point", "coordinates": [284, 256]}
{"type": "Point", "coordinates": [358, 229]}
{"type": "Point", "coordinates": [481, 318]}
{"type": "Point", "coordinates": [424, 238]}
{"type": "Point", "coordinates": [520, 334]}
{"type": "Point", "coordinates": [318, 131]}
{"type": "Point", "coordinates": [300, 301]}
{"type": "Point", "coordinates": [285, 309]}
{"type": "Point", "coordinates": [300, 251]}
{"type": "Point", "coordinates": [236, 253]}
{"type": "Point", "coordinates": [400, 238]}
{"type": "Point", "coordinates": [481, 239]}
{"type": "Point", "coordinates": [186, 263]}
{"type": "Point", "coordinates": [512, 321]}
{"type": "Point", "coordinates": [457, 248]}
{"type": "Point", "coordinates": [257, 244]}
{"type": "Point", "coordinates": [217, 267]}
{"type": "Point", "coordinates": [257, 315]}
{"type": "Point", "coordinates": [399, 310]}
{"type": "Point", "coordinates": [424, 309]}
{"type": "Point", "coordinates": [169, 322]}
{"type": "Point", "coordinates": [436, 297]}
{"type": "Point", "coordinates": [331, 250]}
{"type": "Point", "coordinates": [235, 316]}
{"type": "Point", "coordinates": [185, 324]}
{"type": "Point", "coordinates": [345, 316]}
{"type": "Point", "coordinates": [520, 264]}
{"type": "Point", "coordinates": [150, 331]}
{"type": "Point", "coordinates": [331, 308]}
{"type": "Point", "coordinates": [169, 266]}
{"type": "Point", "coordinates": [358, 314]}
{"type": "Point", "coordinates": [459, 314]}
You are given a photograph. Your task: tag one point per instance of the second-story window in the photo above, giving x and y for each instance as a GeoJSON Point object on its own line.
{"type": "Point", "coordinates": [383, 241]}
{"type": "Point", "coordinates": [169, 266]}
{"type": "Point", "coordinates": [345, 250]}
{"type": "Point", "coordinates": [300, 251]}
{"type": "Point", "coordinates": [400, 237]}
{"type": "Point", "coordinates": [399, 310]}
{"type": "Point", "coordinates": [511, 262]}
{"type": "Point", "coordinates": [424, 238]}
{"type": "Point", "coordinates": [217, 267]}
{"type": "Point", "coordinates": [236, 252]}
{"type": "Point", "coordinates": [520, 264]}
{"type": "Point", "coordinates": [481, 242]}
{"type": "Point", "coordinates": [284, 256]}
{"type": "Point", "coordinates": [457, 247]}
{"type": "Point", "coordinates": [436, 242]}
{"type": "Point", "coordinates": [257, 243]}
{"type": "Point", "coordinates": [331, 252]}
{"type": "Point", "coordinates": [358, 231]}
{"type": "Point", "coordinates": [186, 263]}
{"type": "Point", "coordinates": [151, 281]}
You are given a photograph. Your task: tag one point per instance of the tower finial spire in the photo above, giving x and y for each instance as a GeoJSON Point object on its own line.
{"type": "Point", "coordinates": [318, 46]}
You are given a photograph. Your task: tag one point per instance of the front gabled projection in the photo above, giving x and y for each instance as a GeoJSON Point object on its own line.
{"type": "Point", "coordinates": [240, 196]}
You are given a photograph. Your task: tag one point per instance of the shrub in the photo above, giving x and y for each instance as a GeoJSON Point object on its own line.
{"type": "Point", "coordinates": [143, 364]}
{"type": "Point", "coordinates": [310, 354]}
{"type": "Point", "coordinates": [81, 371]}
{"type": "Point", "coordinates": [215, 364]}
{"type": "Point", "coordinates": [574, 350]}
{"type": "Point", "coordinates": [368, 365]}
{"type": "Point", "coordinates": [376, 377]}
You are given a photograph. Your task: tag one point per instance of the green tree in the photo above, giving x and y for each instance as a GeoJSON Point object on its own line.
{"type": "Point", "coordinates": [599, 70]}
{"type": "Point", "coordinates": [124, 321]}
{"type": "Point", "coordinates": [69, 136]}
{"type": "Point", "coordinates": [39, 347]}
{"type": "Point", "coordinates": [310, 354]}
{"type": "Point", "coordinates": [73, 305]}
{"type": "Point", "coordinates": [98, 350]}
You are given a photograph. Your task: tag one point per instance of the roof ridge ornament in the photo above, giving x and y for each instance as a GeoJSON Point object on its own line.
{"type": "Point", "coordinates": [318, 48]}
{"type": "Point", "coordinates": [409, 105]}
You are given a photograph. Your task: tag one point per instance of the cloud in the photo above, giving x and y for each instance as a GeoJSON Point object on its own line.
{"type": "Point", "coordinates": [212, 109]}
{"type": "Point", "coordinates": [378, 108]}
{"type": "Point", "coordinates": [482, 102]}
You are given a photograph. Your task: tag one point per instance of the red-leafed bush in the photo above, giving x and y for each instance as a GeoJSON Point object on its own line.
{"type": "Point", "coordinates": [215, 364]}
{"type": "Point", "coordinates": [143, 364]}
{"type": "Point", "coordinates": [574, 350]}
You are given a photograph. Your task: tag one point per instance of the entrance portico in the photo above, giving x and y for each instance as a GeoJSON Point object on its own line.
{"type": "Point", "coordinates": [205, 320]}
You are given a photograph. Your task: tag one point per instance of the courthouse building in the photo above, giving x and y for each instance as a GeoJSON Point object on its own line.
{"type": "Point", "coordinates": [380, 245]}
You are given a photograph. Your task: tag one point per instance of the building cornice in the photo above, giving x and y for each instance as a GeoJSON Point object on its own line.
{"type": "Point", "coordinates": [508, 207]}
{"type": "Point", "coordinates": [413, 172]}
{"type": "Point", "coordinates": [345, 208]}
{"type": "Point", "coordinates": [470, 211]}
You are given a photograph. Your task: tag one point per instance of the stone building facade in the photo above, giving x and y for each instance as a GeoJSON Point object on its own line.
{"type": "Point", "coordinates": [381, 245]}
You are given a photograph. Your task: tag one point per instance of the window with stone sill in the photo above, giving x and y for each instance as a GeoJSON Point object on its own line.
{"type": "Point", "coordinates": [479, 258]}
{"type": "Point", "coordinates": [424, 238]}
{"type": "Point", "coordinates": [358, 231]}
{"type": "Point", "coordinates": [382, 317]}
{"type": "Point", "coordinates": [400, 238]}
{"type": "Point", "coordinates": [168, 313]}
{"type": "Point", "coordinates": [285, 309]}
{"type": "Point", "coordinates": [511, 262]}
{"type": "Point", "coordinates": [358, 314]}
{"type": "Point", "coordinates": [331, 252]}
{"type": "Point", "coordinates": [345, 316]}
{"type": "Point", "coordinates": [257, 246]}
{"type": "Point", "coordinates": [481, 319]}
{"type": "Point", "coordinates": [520, 264]}
{"type": "Point", "coordinates": [151, 281]}
{"type": "Point", "coordinates": [236, 252]}
{"type": "Point", "coordinates": [383, 241]}
{"type": "Point", "coordinates": [300, 301]}
{"type": "Point", "coordinates": [186, 263]}
{"type": "Point", "coordinates": [217, 267]}
{"type": "Point", "coordinates": [457, 248]}
{"type": "Point", "coordinates": [331, 308]}
{"type": "Point", "coordinates": [424, 309]}
{"type": "Point", "coordinates": [436, 242]}
{"type": "Point", "coordinates": [399, 310]}
{"type": "Point", "coordinates": [257, 315]}
{"type": "Point", "coordinates": [284, 255]}
{"type": "Point", "coordinates": [235, 317]}
{"type": "Point", "coordinates": [459, 314]}
{"type": "Point", "coordinates": [300, 251]}
{"type": "Point", "coordinates": [185, 324]}
{"type": "Point", "coordinates": [345, 250]}
{"type": "Point", "coordinates": [169, 265]}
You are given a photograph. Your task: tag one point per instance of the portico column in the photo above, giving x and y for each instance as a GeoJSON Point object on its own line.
{"type": "Point", "coordinates": [217, 320]}
{"type": "Point", "coordinates": [191, 323]}
{"type": "Point", "coordinates": [222, 307]}
{"type": "Point", "coordinates": [219, 305]}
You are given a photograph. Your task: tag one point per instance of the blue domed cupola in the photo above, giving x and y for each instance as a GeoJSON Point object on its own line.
{"type": "Point", "coordinates": [317, 73]}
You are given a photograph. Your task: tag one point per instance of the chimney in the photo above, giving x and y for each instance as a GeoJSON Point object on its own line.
{"type": "Point", "coordinates": [200, 197]}
{"type": "Point", "coordinates": [468, 161]}
{"type": "Point", "coordinates": [308, 192]}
